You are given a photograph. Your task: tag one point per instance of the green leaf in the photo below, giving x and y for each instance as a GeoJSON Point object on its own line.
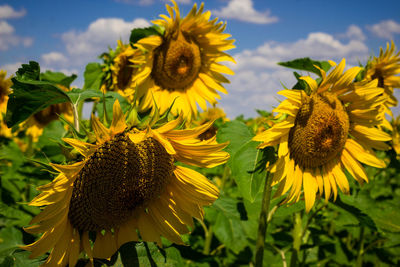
{"type": "Point", "coordinates": [349, 206]}
{"type": "Point", "coordinates": [243, 170]}
{"type": "Point", "coordinates": [228, 226]}
{"type": "Point", "coordinates": [58, 78]}
{"type": "Point", "coordinates": [77, 95]}
{"type": "Point", "coordinates": [110, 99]}
{"type": "Point", "coordinates": [139, 33]}
{"type": "Point", "coordinates": [93, 76]}
{"type": "Point", "coordinates": [307, 64]}
{"type": "Point", "coordinates": [30, 95]}
{"type": "Point", "coordinates": [10, 239]}
{"type": "Point", "coordinates": [244, 157]}
{"type": "Point", "coordinates": [148, 254]}
{"type": "Point", "coordinates": [236, 133]}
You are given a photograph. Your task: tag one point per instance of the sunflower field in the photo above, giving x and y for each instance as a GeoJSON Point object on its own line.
{"type": "Point", "coordinates": [157, 175]}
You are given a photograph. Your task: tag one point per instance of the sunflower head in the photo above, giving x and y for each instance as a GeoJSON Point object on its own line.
{"type": "Point", "coordinates": [35, 124]}
{"type": "Point", "coordinates": [5, 84]}
{"type": "Point", "coordinates": [331, 129]}
{"type": "Point", "coordinates": [182, 66]}
{"type": "Point", "coordinates": [126, 188]}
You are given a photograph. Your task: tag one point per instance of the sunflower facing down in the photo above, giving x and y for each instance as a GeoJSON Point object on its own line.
{"type": "Point", "coordinates": [184, 64]}
{"type": "Point", "coordinates": [36, 123]}
{"type": "Point", "coordinates": [127, 188]}
{"type": "Point", "coordinates": [330, 130]}
{"type": "Point", "coordinates": [123, 70]}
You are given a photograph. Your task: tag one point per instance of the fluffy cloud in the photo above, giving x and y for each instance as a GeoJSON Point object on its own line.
{"type": "Point", "coordinates": [258, 78]}
{"type": "Point", "coordinates": [8, 38]}
{"type": "Point", "coordinates": [243, 10]}
{"type": "Point", "coordinates": [54, 58]}
{"type": "Point", "coordinates": [7, 12]}
{"type": "Point", "coordinates": [385, 29]}
{"type": "Point", "coordinates": [83, 47]}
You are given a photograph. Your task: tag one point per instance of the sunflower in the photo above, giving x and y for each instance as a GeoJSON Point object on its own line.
{"type": "Point", "coordinates": [386, 69]}
{"type": "Point", "coordinates": [396, 136]}
{"type": "Point", "coordinates": [183, 65]}
{"type": "Point", "coordinates": [35, 124]}
{"type": "Point", "coordinates": [330, 130]}
{"type": "Point", "coordinates": [126, 186]}
{"type": "Point", "coordinates": [123, 70]}
{"type": "Point", "coordinates": [210, 114]}
{"type": "Point", "coordinates": [5, 84]}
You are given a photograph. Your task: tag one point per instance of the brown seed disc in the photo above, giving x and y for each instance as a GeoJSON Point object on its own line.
{"type": "Point", "coordinates": [125, 73]}
{"type": "Point", "coordinates": [51, 113]}
{"type": "Point", "coordinates": [118, 178]}
{"type": "Point", "coordinates": [320, 131]}
{"type": "Point", "coordinates": [177, 63]}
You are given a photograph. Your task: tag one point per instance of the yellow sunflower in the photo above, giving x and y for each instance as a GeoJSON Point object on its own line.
{"type": "Point", "coordinates": [123, 70]}
{"type": "Point", "coordinates": [35, 124]}
{"type": "Point", "coordinates": [184, 64]}
{"type": "Point", "coordinates": [207, 116]}
{"type": "Point", "coordinates": [330, 130]}
{"type": "Point", "coordinates": [396, 136]}
{"type": "Point", "coordinates": [386, 69]}
{"type": "Point", "coordinates": [126, 187]}
{"type": "Point", "coordinates": [5, 84]}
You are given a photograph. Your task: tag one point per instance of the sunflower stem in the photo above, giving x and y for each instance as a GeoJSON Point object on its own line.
{"type": "Point", "coordinates": [207, 242]}
{"type": "Point", "coordinates": [262, 222]}
{"type": "Point", "coordinates": [76, 117]}
{"type": "Point", "coordinates": [360, 248]}
{"type": "Point", "coordinates": [297, 236]}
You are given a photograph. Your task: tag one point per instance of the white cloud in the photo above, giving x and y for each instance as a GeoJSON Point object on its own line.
{"type": "Point", "coordinates": [136, 2]}
{"type": "Point", "coordinates": [354, 32]}
{"type": "Point", "coordinates": [243, 10]}
{"type": "Point", "coordinates": [54, 58]}
{"type": "Point", "coordinates": [6, 28]}
{"type": "Point", "coordinates": [11, 68]}
{"type": "Point", "coordinates": [7, 12]}
{"type": "Point", "coordinates": [9, 39]}
{"type": "Point", "coordinates": [86, 46]}
{"type": "Point", "coordinates": [385, 29]}
{"type": "Point", "coordinates": [258, 78]}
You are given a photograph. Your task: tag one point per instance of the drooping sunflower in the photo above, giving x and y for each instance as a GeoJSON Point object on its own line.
{"type": "Point", "coordinates": [126, 187]}
{"type": "Point", "coordinates": [330, 130]}
{"type": "Point", "coordinates": [386, 69]}
{"type": "Point", "coordinates": [209, 115]}
{"type": "Point", "coordinates": [183, 65]}
{"type": "Point", "coordinates": [123, 70]}
{"type": "Point", "coordinates": [5, 84]}
{"type": "Point", "coordinates": [35, 124]}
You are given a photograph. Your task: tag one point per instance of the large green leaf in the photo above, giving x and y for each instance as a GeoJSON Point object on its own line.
{"type": "Point", "coordinates": [31, 95]}
{"type": "Point", "coordinates": [77, 95]}
{"type": "Point", "coordinates": [58, 78]}
{"type": "Point", "coordinates": [10, 239]}
{"type": "Point", "coordinates": [244, 158]}
{"type": "Point", "coordinates": [93, 76]}
{"type": "Point", "coordinates": [307, 64]}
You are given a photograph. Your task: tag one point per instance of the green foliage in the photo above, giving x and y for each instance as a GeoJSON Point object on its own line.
{"type": "Point", "coordinates": [307, 64]}
{"type": "Point", "coordinates": [93, 76]}
{"type": "Point", "coordinates": [58, 78]}
{"type": "Point", "coordinates": [139, 33]}
{"type": "Point", "coordinates": [31, 94]}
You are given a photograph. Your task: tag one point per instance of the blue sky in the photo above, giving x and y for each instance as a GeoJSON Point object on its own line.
{"type": "Point", "coordinates": [66, 35]}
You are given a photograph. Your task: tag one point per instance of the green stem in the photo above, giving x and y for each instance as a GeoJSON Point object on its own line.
{"type": "Point", "coordinates": [207, 242]}
{"type": "Point", "coordinates": [76, 117]}
{"type": "Point", "coordinates": [262, 222]}
{"type": "Point", "coordinates": [361, 247]}
{"type": "Point", "coordinates": [297, 234]}
{"type": "Point", "coordinates": [104, 110]}
{"type": "Point", "coordinates": [209, 232]}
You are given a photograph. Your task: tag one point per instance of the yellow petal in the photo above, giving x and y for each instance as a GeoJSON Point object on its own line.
{"type": "Point", "coordinates": [118, 124]}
